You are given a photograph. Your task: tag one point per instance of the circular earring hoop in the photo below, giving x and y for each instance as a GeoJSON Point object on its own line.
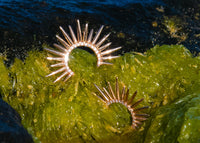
{"type": "Point", "coordinates": [81, 40]}
{"type": "Point", "coordinates": [110, 97]}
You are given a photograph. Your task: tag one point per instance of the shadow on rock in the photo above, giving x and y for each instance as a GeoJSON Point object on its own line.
{"type": "Point", "coordinates": [11, 129]}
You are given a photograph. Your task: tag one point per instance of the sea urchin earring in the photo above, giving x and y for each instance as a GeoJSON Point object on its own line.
{"type": "Point", "coordinates": [81, 40]}
{"type": "Point", "coordinates": [111, 97]}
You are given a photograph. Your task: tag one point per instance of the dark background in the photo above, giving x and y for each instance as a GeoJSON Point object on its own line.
{"type": "Point", "coordinates": [136, 25]}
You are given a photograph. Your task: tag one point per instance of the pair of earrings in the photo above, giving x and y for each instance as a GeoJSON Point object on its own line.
{"type": "Point", "coordinates": [83, 39]}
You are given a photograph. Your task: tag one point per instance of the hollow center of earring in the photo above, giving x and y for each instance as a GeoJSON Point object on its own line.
{"type": "Point", "coordinates": [87, 49]}
{"type": "Point", "coordinates": [120, 113]}
{"type": "Point", "coordinates": [82, 59]}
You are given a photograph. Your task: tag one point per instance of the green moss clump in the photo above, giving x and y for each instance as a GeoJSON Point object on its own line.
{"type": "Point", "coordinates": [190, 130]}
{"type": "Point", "coordinates": [177, 122]}
{"type": "Point", "coordinates": [69, 112]}
{"type": "Point", "coordinates": [5, 85]}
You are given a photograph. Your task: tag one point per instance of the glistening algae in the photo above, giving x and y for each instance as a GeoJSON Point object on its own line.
{"type": "Point", "coordinates": [177, 122]}
{"type": "Point", "coordinates": [5, 84]}
{"type": "Point", "coordinates": [167, 77]}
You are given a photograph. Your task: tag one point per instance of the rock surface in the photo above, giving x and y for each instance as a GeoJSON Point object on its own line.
{"type": "Point", "coordinates": [11, 129]}
{"type": "Point", "coordinates": [134, 25]}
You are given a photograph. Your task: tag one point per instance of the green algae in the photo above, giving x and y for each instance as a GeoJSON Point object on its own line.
{"type": "Point", "coordinates": [5, 85]}
{"type": "Point", "coordinates": [167, 77]}
{"type": "Point", "coordinates": [174, 26]}
{"type": "Point", "coordinates": [178, 122]}
{"type": "Point", "coordinates": [190, 129]}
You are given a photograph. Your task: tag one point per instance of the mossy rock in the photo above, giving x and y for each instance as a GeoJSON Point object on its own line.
{"type": "Point", "coordinates": [167, 77]}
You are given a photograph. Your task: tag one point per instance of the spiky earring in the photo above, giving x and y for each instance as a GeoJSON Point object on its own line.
{"type": "Point", "coordinates": [111, 97]}
{"type": "Point", "coordinates": [81, 40]}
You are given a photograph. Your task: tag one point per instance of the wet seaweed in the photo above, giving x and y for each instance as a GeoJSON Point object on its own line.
{"type": "Point", "coordinates": [167, 77]}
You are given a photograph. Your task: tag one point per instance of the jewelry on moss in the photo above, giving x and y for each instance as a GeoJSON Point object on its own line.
{"type": "Point", "coordinates": [109, 97]}
{"type": "Point", "coordinates": [83, 39]}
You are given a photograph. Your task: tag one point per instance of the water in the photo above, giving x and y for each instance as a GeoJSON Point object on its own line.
{"type": "Point", "coordinates": [70, 3]}
{"type": "Point", "coordinates": [14, 12]}
{"type": "Point", "coordinates": [26, 24]}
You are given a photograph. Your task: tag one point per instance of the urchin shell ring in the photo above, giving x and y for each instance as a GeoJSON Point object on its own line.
{"type": "Point", "coordinates": [111, 97]}
{"type": "Point", "coordinates": [81, 40]}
